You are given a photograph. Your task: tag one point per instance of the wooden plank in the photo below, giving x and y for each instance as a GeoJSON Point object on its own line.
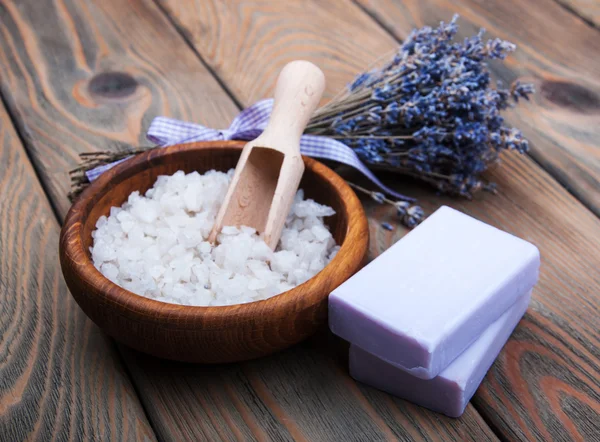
{"type": "Point", "coordinates": [546, 383]}
{"type": "Point", "coordinates": [59, 375]}
{"type": "Point", "coordinates": [588, 10]}
{"type": "Point", "coordinates": [557, 52]}
{"type": "Point", "coordinates": [51, 58]}
{"type": "Point", "coordinates": [83, 76]}
{"type": "Point", "coordinates": [303, 394]}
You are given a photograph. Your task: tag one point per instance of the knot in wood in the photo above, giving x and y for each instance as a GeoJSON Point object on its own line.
{"type": "Point", "coordinates": [112, 85]}
{"type": "Point", "coordinates": [571, 96]}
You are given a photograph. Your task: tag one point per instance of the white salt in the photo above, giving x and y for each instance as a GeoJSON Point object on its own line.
{"type": "Point", "coordinates": [156, 245]}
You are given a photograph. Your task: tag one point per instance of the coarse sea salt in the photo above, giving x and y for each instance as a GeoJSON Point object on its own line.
{"type": "Point", "coordinates": [156, 245]}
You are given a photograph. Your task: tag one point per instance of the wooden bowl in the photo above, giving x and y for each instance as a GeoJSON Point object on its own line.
{"type": "Point", "coordinates": [206, 334]}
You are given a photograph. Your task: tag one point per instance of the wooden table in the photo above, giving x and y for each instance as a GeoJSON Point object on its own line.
{"type": "Point", "coordinates": [78, 76]}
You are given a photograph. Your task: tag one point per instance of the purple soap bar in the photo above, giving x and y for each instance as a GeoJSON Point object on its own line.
{"type": "Point", "coordinates": [451, 390]}
{"type": "Point", "coordinates": [429, 296]}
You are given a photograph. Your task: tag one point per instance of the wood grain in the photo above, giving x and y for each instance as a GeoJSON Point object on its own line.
{"type": "Point", "coordinates": [59, 375]}
{"type": "Point", "coordinates": [83, 76]}
{"type": "Point", "coordinates": [551, 365]}
{"type": "Point", "coordinates": [303, 393]}
{"type": "Point", "coordinates": [588, 10]}
{"type": "Point", "coordinates": [232, 35]}
{"type": "Point", "coordinates": [558, 52]}
{"type": "Point", "coordinates": [557, 344]}
{"type": "Point", "coordinates": [67, 78]}
{"type": "Point", "coordinates": [229, 333]}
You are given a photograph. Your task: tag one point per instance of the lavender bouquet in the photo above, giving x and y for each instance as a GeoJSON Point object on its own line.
{"type": "Point", "coordinates": [430, 113]}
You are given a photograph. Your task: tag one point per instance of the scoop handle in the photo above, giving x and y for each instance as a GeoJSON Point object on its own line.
{"type": "Point", "coordinates": [298, 92]}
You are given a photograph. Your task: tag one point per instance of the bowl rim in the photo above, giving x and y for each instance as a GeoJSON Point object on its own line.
{"type": "Point", "coordinates": [350, 256]}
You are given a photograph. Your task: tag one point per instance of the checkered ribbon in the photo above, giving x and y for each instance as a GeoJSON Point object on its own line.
{"type": "Point", "coordinates": [246, 126]}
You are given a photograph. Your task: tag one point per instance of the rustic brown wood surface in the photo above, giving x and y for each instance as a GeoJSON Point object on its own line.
{"type": "Point", "coordinates": [545, 384]}
{"type": "Point", "coordinates": [557, 51]}
{"type": "Point", "coordinates": [566, 304]}
{"type": "Point", "coordinates": [64, 102]}
{"type": "Point", "coordinates": [588, 10]}
{"type": "Point", "coordinates": [59, 375]}
{"type": "Point", "coordinates": [84, 76]}
{"type": "Point", "coordinates": [229, 333]}
{"type": "Point", "coordinates": [303, 393]}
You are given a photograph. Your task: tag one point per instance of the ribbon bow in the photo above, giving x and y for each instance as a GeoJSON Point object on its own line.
{"type": "Point", "coordinates": [248, 125]}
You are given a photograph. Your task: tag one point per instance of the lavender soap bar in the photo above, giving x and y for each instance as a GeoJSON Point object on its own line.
{"type": "Point", "coordinates": [429, 296]}
{"type": "Point", "coordinates": [451, 390]}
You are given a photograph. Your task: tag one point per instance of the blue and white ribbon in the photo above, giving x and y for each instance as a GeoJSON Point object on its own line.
{"type": "Point", "coordinates": [248, 125]}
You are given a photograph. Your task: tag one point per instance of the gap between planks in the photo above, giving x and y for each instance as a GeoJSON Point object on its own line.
{"type": "Point", "coordinates": [49, 383]}
{"type": "Point", "coordinates": [185, 36]}
{"type": "Point", "coordinates": [571, 10]}
{"type": "Point", "coordinates": [45, 151]}
{"type": "Point", "coordinates": [574, 7]}
{"type": "Point", "coordinates": [551, 180]}
{"type": "Point", "coordinates": [56, 213]}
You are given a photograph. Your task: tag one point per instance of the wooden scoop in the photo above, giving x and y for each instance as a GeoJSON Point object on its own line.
{"type": "Point", "coordinates": [269, 170]}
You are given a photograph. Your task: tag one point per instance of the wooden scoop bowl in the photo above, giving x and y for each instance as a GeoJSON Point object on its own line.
{"type": "Point", "coordinates": [267, 176]}
{"type": "Point", "coordinates": [206, 334]}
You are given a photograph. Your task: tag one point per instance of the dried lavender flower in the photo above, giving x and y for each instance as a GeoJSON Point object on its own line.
{"type": "Point", "coordinates": [387, 226]}
{"type": "Point", "coordinates": [409, 213]}
{"type": "Point", "coordinates": [378, 197]}
{"type": "Point", "coordinates": [430, 112]}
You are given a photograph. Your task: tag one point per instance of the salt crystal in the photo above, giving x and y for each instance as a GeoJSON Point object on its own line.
{"type": "Point", "coordinates": [190, 238]}
{"type": "Point", "coordinates": [110, 271]}
{"type": "Point", "coordinates": [311, 208]}
{"type": "Point", "coordinates": [156, 271]}
{"type": "Point", "coordinates": [190, 199]}
{"type": "Point", "coordinates": [311, 221]}
{"type": "Point", "coordinates": [284, 261]}
{"type": "Point", "coordinates": [230, 230]}
{"type": "Point", "coordinates": [297, 223]}
{"type": "Point", "coordinates": [102, 251]}
{"type": "Point", "coordinates": [145, 210]}
{"type": "Point", "coordinates": [248, 230]}
{"type": "Point", "coordinates": [156, 245]}
{"type": "Point", "coordinates": [316, 265]}
{"type": "Point", "coordinates": [202, 297]}
{"type": "Point", "coordinates": [301, 275]}
{"type": "Point", "coordinates": [204, 248]}
{"type": "Point", "coordinates": [321, 233]}
{"type": "Point", "coordinates": [306, 235]}
{"type": "Point", "coordinates": [257, 284]}
{"type": "Point", "coordinates": [260, 250]}
{"type": "Point", "coordinates": [101, 222]}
